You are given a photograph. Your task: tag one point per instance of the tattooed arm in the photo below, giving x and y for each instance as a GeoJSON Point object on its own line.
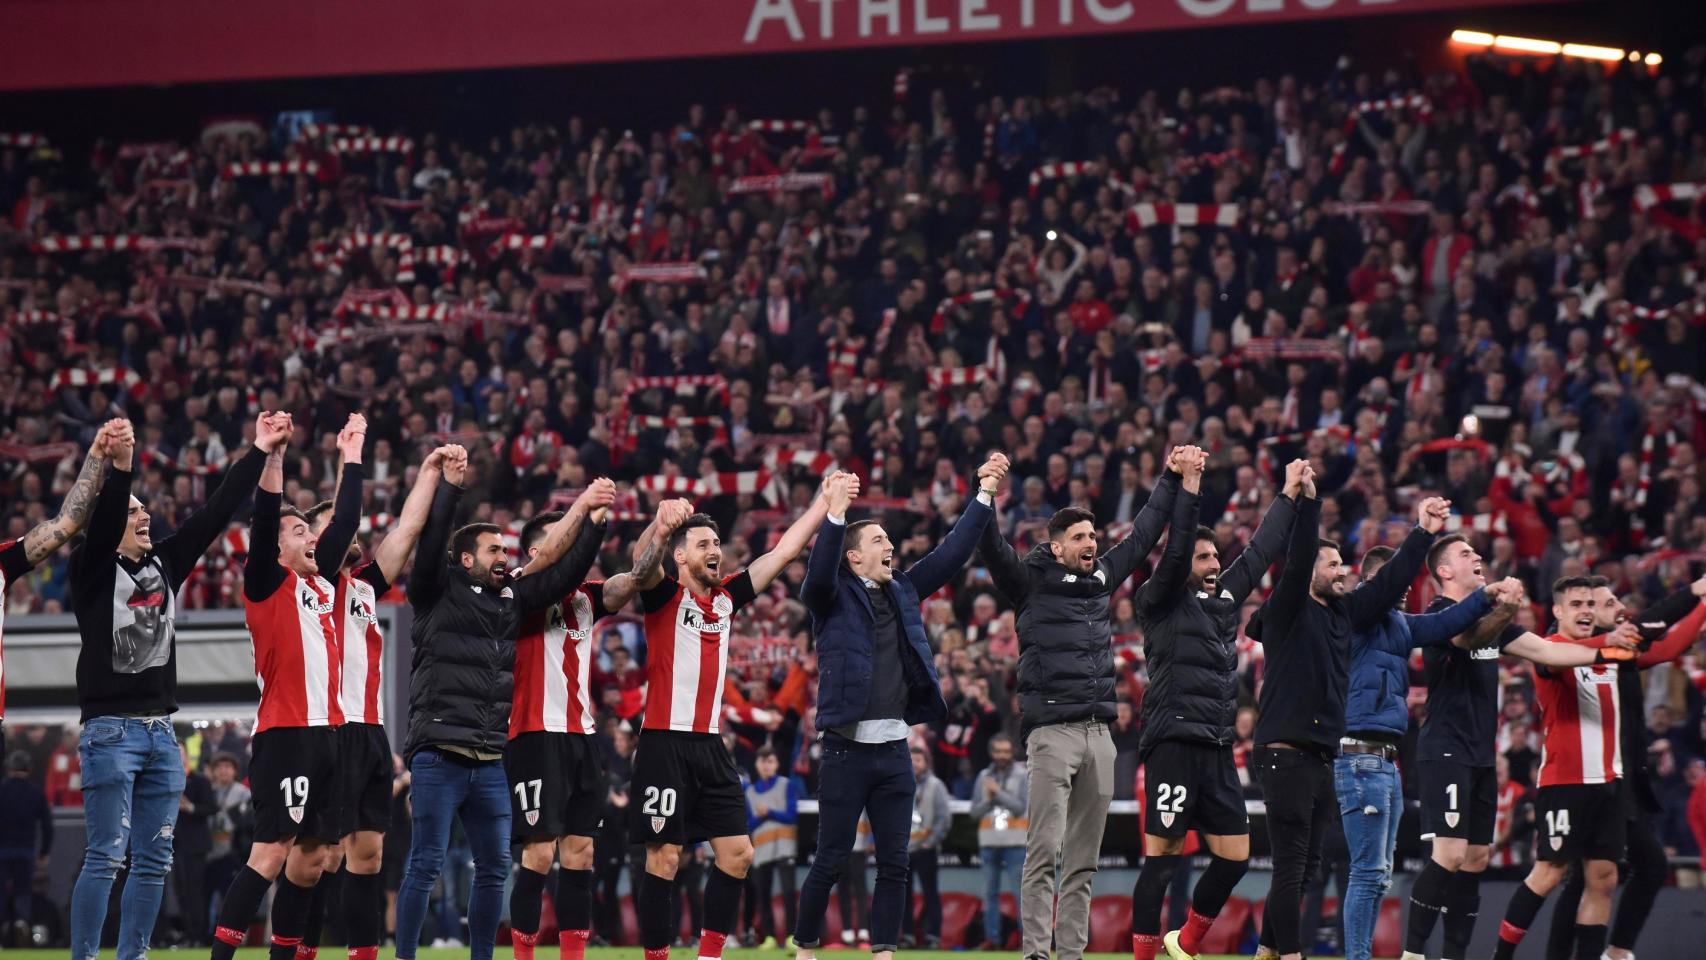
{"type": "Point", "coordinates": [648, 557]}
{"type": "Point", "coordinates": [50, 535]}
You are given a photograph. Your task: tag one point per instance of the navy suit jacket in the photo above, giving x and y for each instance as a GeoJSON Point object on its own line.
{"type": "Point", "coordinates": [843, 621]}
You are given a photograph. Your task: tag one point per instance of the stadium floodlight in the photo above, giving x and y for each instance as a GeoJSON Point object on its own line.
{"type": "Point", "coordinates": [1527, 44]}
{"type": "Point", "coordinates": [1654, 59]}
{"type": "Point", "coordinates": [1473, 38]}
{"type": "Point", "coordinates": [1590, 52]}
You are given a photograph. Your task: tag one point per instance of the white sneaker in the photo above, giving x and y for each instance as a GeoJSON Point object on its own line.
{"type": "Point", "coordinates": [1407, 955]}
{"type": "Point", "coordinates": [847, 937]}
{"type": "Point", "coordinates": [1174, 951]}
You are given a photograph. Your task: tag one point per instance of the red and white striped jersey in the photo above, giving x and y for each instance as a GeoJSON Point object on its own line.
{"type": "Point", "coordinates": [553, 665]}
{"type": "Point", "coordinates": [295, 637]}
{"type": "Point", "coordinates": [14, 563]}
{"type": "Point", "coordinates": [687, 653]}
{"type": "Point", "coordinates": [1504, 820]}
{"type": "Point", "coordinates": [1578, 723]}
{"type": "Point", "coordinates": [362, 673]}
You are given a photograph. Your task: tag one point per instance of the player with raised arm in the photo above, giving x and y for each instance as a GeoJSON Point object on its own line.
{"type": "Point", "coordinates": [1455, 751]}
{"type": "Point", "coordinates": [18, 557]}
{"type": "Point", "coordinates": [1189, 613]}
{"type": "Point", "coordinates": [365, 772]}
{"type": "Point", "coordinates": [554, 766]}
{"type": "Point", "coordinates": [685, 784]}
{"type": "Point", "coordinates": [291, 614]}
{"type": "Point", "coordinates": [1580, 807]}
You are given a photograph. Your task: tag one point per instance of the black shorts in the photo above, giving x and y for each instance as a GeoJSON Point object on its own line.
{"type": "Point", "coordinates": [293, 774]}
{"type": "Point", "coordinates": [1192, 786]}
{"type": "Point", "coordinates": [685, 789]}
{"type": "Point", "coordinates": [365, 775]}
{"type": "Point", "coordinates": [1458, 801]}
{"type": "Point", "coordinates": [1580, 822]}
{"type": "Point", "coordinates": [556, 785]}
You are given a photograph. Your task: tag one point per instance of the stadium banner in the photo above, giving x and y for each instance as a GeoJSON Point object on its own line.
{"type": "Point", "coordinates": [98, 43]}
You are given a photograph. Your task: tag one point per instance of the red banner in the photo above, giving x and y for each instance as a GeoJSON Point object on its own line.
{"type": "Point", "coordinates": [94, 43]}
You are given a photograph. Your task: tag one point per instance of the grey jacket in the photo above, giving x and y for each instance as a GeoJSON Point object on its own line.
{"type": "Point", "coordinates": [931, 815]}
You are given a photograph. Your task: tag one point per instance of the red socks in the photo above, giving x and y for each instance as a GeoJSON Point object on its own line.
{"type": "Point", "coordinates": [1144, 945]}
{"type": "Point", "coordinates": [1191, 934]}
{"type": "Point", "coordinates": [573, 943]}
{"type": "Point", "coordinates": [304, 952]}
{"type": "Point", "coordinates": [661, 953]}
{"type": "Point", "coordinates": [711, 944]}
{"type": "Point", "coordinates": [363, 953]}
{"type": "Point", "coordinates": [523, 944]}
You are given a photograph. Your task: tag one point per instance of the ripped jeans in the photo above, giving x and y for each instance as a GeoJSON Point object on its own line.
{"type": "Point", "coordinates": [133, 776]}
{"type": "Point", "coordinates": [1371, 800]}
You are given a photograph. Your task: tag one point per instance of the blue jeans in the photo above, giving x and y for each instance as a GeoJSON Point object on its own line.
{"type": "Point", "coordinates": [445, 786]}
{"type": "Point", "coordinates": [876, 779]}
{"type": "Point", "coordinates": [1371, 801]}
{"type": "Point", "coordinates": [133, 776]}
{"type": "Point", "coordinates": [998, 861]}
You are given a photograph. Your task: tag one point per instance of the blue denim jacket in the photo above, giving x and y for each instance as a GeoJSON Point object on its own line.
{"type": "Point", "coordinates": [1380, 670]}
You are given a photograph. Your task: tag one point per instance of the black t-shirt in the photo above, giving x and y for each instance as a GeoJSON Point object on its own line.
{"type": "Point", "coordinates": [888, 669]}
{"type": "Point", "coordinates": [1463, 699]}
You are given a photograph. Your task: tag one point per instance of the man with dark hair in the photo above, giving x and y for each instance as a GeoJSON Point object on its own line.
{"type": "Point", "coordinates": [365, 771]}
{"type": "Point", "coordinates": [124, 591]}
{"type": "Point", "coordinates": [1581, 806]}
{"type": "Point", "coordinates": [292, 619]}
{"type": "Point", "coordinates": [1189, 613]}
{"type": "Point", "coordinates": [1377, 715]}
{"type": "Point", "coordinates": [555, 766]}
{"type": "Point", "coordinates": [1306, 627]}
{"type": "Point", "coordinates": [876, 678]}
{"type": "Point", "coordinates": [467, 614]}
{"type": "Point", "coordinates": [1455, 750]}
{"type": "Point", "coordinates": [686, 788]}
{"type": "Point", "coordinates": [1062, 592]}
{"type": "Point", "coordinates": [1647, 864]}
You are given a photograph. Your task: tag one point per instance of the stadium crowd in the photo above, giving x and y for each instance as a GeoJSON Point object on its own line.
{"type": "Point", "coordinates": [1486, 284]}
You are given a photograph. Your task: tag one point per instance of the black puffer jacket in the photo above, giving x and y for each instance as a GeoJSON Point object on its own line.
{"type": "Point", "coordinates": [1190, 639]}
{"type": "Point", "coordinates": [462, 670]}
{"type": "Point", "coordinates": [1066, 657]}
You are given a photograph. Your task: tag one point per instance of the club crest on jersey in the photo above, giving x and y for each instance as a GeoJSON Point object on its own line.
{"type": "Point", "coordinates": [296, 813]}
{"type": "Point", "coordinates": [657, 824]}
{"type": "Point", "coordinates": [1451, 819]}
{"type": "Point", "coordinates": [1557, 843]}
{"type": "Point", "coordinates": [1167, 818]}
{"type": "Point", "coordinates": [532, 818]}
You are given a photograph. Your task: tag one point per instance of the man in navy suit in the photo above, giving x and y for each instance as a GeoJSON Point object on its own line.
{"type": "Point", "coordinates": [876, 678]}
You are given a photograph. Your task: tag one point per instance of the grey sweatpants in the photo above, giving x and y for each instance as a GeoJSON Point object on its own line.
{"type": "Point", "coordinates": [1071, 782]}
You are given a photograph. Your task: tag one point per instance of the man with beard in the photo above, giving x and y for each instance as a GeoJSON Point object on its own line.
{"type": "Point", "coordinates": [1581, 807]}
{"type": "Point", "coordinates": [1062, 591]}
{"type": "Point", "coordinates": [1455, 750]}
{"type": "Point", "coordinates": [124, 590]}
{"type": "Point", "coordinates": [365, 769]}
{"type": "Point", "coordinates": [1306, 627]}
{"type": "Point", "coordinates": [467, 614]}
{"type": "Point", "coordinates": [1188, 611]}
{"type": "Point", "coordinates": [1647, 863]}
{"type": "Point", "coordinates": [293, 627]}
{"type": "Point", "coordinates": [686, 788]}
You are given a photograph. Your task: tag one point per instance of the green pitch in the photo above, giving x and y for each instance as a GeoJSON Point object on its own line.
{"type": "Point", "coordinates": [596, 953]}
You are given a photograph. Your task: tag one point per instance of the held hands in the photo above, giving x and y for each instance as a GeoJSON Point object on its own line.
{"type": "Point", "coordinates": [1626, 638]}
{"type": "Point", "coordinates": [456, 465]}
{"type": "Point", "coordinates": [993, 471]}
{"type": "Point", "coordinates": [596, 499]}
{"type": "Point", "coordinates": [436, 460]}
{"type": "Point", "coordinates": [1507, 592]}
{"type": "Point", "coordinates": [1308, 479]}
{"type": "Point", "coordinates": [1189, 461]}
{"type": "Point", "coordinates": [1432, 513]}
{"type": "Point", "coordinates": [840, 489]}
{"type": "Point", "coordinates": [1294, 478]}
{"type": "Point", "coordinates": [351, 438]}
{"type": "Point", "coordinates": [672, 514]}
{"type": "Point", "coordinates": [272, 431]}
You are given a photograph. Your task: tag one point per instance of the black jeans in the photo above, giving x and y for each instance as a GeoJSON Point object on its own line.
{"type": "Point", "coordinates": [761, 908]}
{"type": "Point", "coordinates": [926, 869]}
{"type": "Point", "coordinates": [875, 779]}
{"type": "Point", "coordinates": [1643, 870]}
{"type": "Point", "coordinates": [1302, 805]}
